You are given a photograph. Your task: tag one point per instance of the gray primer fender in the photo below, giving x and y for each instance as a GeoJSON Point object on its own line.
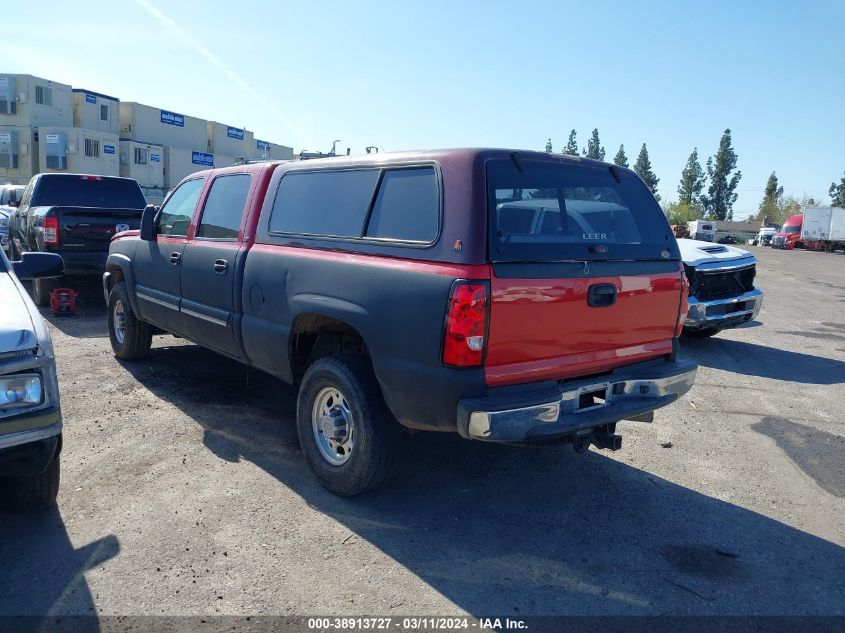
{"type": "Point", "coordinates": [121, 261]}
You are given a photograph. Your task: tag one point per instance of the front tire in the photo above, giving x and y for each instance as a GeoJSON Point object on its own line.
{"type": "Point", "coordinates": [34, 492]}
{"type": "Point", "coordinates": [348, 435]}
{"type": "Point", "coordinates": [41, 289]}
{"type": "Point", "coordinates": [130, 338]}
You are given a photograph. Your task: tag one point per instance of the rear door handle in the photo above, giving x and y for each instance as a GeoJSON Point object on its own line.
{"type": "Point", "coordinates": [221, 266]}
{"type": "Point", "coordinates": [175, 258]}
{"type": "Point", "coordinates": [601, 295]}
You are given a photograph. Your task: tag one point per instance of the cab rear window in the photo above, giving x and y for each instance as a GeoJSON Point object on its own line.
{"type": "Point", "coordinates": [547, 211]}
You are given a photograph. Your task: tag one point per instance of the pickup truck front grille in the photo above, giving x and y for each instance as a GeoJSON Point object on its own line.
{"type": "Point", "coordinates": [708, 286]}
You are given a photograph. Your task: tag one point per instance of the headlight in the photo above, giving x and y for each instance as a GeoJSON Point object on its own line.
{"type": "Point", "coordinates": [20, 390]}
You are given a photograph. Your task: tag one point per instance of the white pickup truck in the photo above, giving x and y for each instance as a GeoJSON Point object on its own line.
{"type": "Point", "coordinates": [722, 293]}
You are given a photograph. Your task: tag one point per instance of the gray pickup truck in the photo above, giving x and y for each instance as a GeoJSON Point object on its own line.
{"type": "Point", "coordinates": [30, 412]}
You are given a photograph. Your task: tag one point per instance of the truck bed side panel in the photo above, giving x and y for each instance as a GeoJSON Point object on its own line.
{"type": "Point", "coordinates": [397, 306]}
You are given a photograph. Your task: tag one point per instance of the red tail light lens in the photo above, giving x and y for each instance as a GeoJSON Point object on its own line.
{"type": "Point", "coordinates": [51, 230]}
{"type": "Point", "coordinates": [466, 324]}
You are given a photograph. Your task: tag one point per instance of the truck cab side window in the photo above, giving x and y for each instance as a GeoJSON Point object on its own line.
{"type": "Point", "coordinates": [175, 216]}
{"type": "Point", "coordinates": [407, 206]}
{"type": "Point", "coordinates": [224, 207]}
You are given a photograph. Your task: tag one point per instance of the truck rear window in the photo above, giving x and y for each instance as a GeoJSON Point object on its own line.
{"type": "Point", "coordinates": [549, 211]}
{"type": "Point", "coordinates": [96, 192]}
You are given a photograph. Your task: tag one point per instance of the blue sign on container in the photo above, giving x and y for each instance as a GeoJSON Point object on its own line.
{"type": "Point", "coordinates": [201, 158]}
{"type": "Point", "coordinates": [235, 132]}
{"type": "Point", "coordinates": [90, 98]}
{"type": "Point", "coordinates": [262, 145]}
{"type": "Point", "coordinates": [154, 158]}
{"type": "Point", "coordinates": [171, 118]}
{"type": "Point", "coordinates": [108, 149]}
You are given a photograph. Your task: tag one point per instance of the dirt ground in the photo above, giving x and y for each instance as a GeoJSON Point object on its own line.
{"type": "Point", "coordinates": [185, 492]}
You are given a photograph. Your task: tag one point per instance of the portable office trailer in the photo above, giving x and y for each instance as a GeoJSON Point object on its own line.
{"type": "Point", "coordinates": [18, 154]}
{"type": "Point", "coordinates": [179, 162]}
{"type": "Point", "coordinates": [95, 111]}
{"type": "Point", "coordinates": [274, 151]}
{"type": "Point", "coordinates": [225, 139]}
{"type": "Point", "coordinates": [143, 162]}
{"type": "Point", "coordinates": [139, 122]}
{"type": "Point", "coordinates": [26, 100]}
{"type": "Point", "coordinates": [76, 150]}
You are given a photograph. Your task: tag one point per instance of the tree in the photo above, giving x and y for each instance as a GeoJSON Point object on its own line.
{"type": "Point", "coordinates": [692, 182]}
{"type": "Point", "coordinates": [549, 145]}
{"type": "Point", "coordinates": [682, 212]}
{"type": "Point", "coordinates": [571, 145]}
{"type": "Point", "coordinates": [594, 148]}
{"type": "Point", "coordinates": [721, 195]}
{"type": "Point", "coordinates": [837, 193]}
{"type": "Point", "coordinates": [785, 207]}
{"type": "Point", "coordinates": [643, 168]}
{"type": "Point", "coordinates": [771, 198]}
{"type": "Point", "coordinates": [621, 159]}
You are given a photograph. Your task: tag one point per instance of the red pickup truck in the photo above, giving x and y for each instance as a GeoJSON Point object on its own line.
{"type": "Point", "coordinates": [509, 296]}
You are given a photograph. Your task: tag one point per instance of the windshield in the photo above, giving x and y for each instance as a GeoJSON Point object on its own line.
{"type": "Point", "coordinates": [88, 191]}
{"type": "Point", "coordinates": [561, 211]}
{"type": "Point", "coordinates": [790, 229]}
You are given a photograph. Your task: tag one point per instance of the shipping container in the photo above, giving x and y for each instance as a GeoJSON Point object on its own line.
{"type": "Point", "coordinates": [78, 151]}
{"type": "Point", "coordinates": [18, 154]}
{"type": "Point", "coordinates": [95, 111]}
{"type": "Point", "coordinates": [225, 139]}
{"type": "Point", "coordinates": [26, 100]}
{"type": "Point", "coordinates": [143, 162]}
{"type": "Point", "coordinates": [153, 125]}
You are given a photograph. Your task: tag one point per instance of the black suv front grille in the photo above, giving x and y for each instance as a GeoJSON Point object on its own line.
{"type": "Point", "coordinates": [708, 286]}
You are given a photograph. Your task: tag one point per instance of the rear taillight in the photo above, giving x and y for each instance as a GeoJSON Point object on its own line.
{"type": "Point", "coordinates": [466, 324]}
{"type": "Point", "coordinates": [683, 306]}
{"type": "Point", "coordinates": [51, 230]}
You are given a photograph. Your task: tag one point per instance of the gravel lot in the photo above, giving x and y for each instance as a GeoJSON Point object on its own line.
{"type": "Point", "coordinates": [184, 492]}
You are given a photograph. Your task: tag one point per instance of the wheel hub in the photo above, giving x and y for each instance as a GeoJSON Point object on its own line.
{"type": "Point", "coordinates": [333, 427]}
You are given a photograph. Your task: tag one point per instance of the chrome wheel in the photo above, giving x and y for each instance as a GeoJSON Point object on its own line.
{"type": "Point", "coordinates": [119, 321]}
{"type": "Point", "coordinates": [332, 424]}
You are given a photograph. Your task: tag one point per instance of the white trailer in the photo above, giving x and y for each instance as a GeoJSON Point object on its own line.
{"type": "Point", "coordinates": [704, 230]}
{"type": "Point", "coordinates": [824, 225]}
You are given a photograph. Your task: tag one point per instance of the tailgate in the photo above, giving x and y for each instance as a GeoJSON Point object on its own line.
{"type": "Point", "coordinates": [91, 229]}
{"type": "Point", "coordinates": [542, 323]}
{"type": "Point", "coordinates": [586, 271]}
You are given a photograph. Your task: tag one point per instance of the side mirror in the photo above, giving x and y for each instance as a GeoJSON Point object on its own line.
{"type": "Point", "coordinates": [148, 223]}
{"type": "Point", "coordinates": [39, 265]}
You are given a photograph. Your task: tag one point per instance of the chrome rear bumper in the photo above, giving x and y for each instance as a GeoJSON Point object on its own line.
{"type": "Point", "coordinates": [553, 410]}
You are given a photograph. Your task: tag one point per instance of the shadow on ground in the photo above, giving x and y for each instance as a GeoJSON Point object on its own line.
{"type": "Point", "coordinates": [498, 529]}
{"type": "Point", "coordinates": [51, 581]}
{"type": "Point", "coordinates": [767, 362]}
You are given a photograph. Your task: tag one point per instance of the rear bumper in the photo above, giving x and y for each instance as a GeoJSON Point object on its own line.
{"type": "Point", "coordinates": [723, 313]}
{"type": "Point", "coordinates": [84, 263]}
{"type": "Point", "coordinates": [554, 410]}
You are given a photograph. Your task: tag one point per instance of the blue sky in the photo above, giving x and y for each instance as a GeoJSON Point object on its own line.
{"type": "Point", "coordinates": [404, 75]}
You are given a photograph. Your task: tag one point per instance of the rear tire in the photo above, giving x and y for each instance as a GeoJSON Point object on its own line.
{"type": "Point", "coordinates": [41, 289]}
{"type": "Point", "coordinates": [130, 338]}
{"type": "Point", "coordinates": [340, 395]}
{"type": "Point", "coordinates": [34, 492]}
{"type": "Point", "coordinates": [703, 333]}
